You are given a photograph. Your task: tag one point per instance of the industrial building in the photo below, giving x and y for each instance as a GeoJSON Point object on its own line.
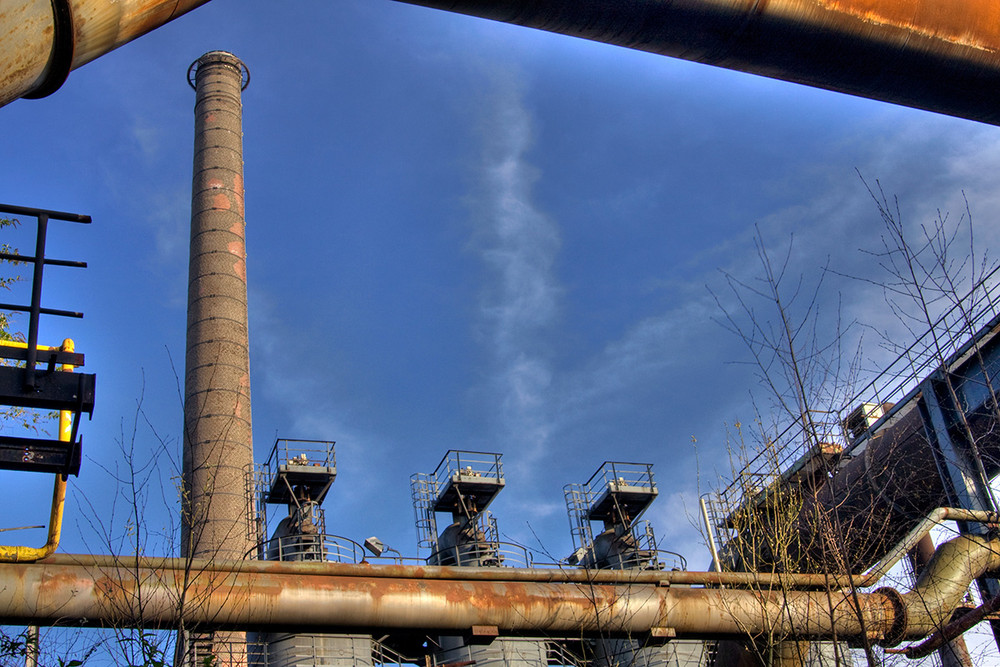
{"type": "Point", "coordinates": [801, 539]}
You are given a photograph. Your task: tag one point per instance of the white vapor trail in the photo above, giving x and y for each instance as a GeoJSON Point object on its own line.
{"type": "Point", "coordinates": [519, 303]}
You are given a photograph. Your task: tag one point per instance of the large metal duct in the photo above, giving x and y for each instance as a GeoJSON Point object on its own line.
{"type": "Point", "coordinates": [928, 54]}
{"type": "Point", "coordinates": [943, 57]}
{"type": "Point", "coordinates": [218, 448]}
{"type": "Point", "coordinates": [95, 590]}
{"type": "Point", "coordinates": [41, 41]}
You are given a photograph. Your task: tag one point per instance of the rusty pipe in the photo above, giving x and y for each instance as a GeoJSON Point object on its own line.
{"type": "Point", "coordinates": [918, 533]}
{"type": "Point", "coordinates": [942, 57]}
{"type": "Point", "coordinates": [575, 576]}
{"type": "Point", "coordinates": [93, 593]}
{"type": "Point", "coordinates": [937, 588]}
{"type": "Point", "coordinates": [946, 578]}
{"type": "Point", "coordinates": [950, 632]}
{"type": "Point", "coordinates": [766, 580]}
{"type": "Point", "coordinates": [104, 590]}
{"type": "Point", "coordinates": [41, 41]}
{"type": "Point", "coordinates": [918, 53]}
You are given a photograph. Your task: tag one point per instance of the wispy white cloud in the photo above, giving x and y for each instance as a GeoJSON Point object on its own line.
{"type": "Point", "coordinates": [643, 354]}
{"type": "Point", "coordinates": [519, 302]}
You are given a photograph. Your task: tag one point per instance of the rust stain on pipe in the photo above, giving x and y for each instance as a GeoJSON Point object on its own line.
{"type": "Point", "coordinates": [103, 590]}
{"type": "Point", "coordinates": [973, 23]}
{"type": "Point", "coordinates": [103, 26]}
{"type": "Point", "coordinates": [99, 595]}
{"type": "Point", "coordinates": [26, 30]}
{"type": "Point", "coordinates": [929, 54]}
{"type": "Point", "coordinates": [326, 596]}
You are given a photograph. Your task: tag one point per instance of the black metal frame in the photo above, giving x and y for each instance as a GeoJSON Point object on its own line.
{"type": "Point", "coordinates": [48, 388]}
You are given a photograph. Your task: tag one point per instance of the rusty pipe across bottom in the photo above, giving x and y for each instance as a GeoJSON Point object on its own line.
{"type": "Point", "coordinates": [99, 592]}
{"type": "Point", "coordinates": [110, 591]}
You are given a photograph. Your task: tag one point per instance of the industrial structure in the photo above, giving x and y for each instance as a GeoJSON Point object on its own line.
{"type": "Point", "coordinates": [859, 491]}
{"type": "Point", "coordinates": [462, 487]}
{"type": "Point", "coordinates": [801, 542]}
{"type": "Point", "coordinates": [218, 445]}
{"type": "Point", "coordinates": [296, 477]}
{"type": "Point", "coordinates": [617, 495]}
{"type": "Point", "coordinates": [218, 439]}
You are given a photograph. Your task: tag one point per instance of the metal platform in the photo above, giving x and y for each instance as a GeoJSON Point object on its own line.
{"type": "Point", "coordinates": [620, 491]}
{"type": "Point", "coordinates": [467, 481]}
{"type": "Point", "coordinates": [299, 470]}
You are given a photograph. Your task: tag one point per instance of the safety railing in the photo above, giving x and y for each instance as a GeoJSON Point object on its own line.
{"type": "Point", "coordinates": [486, 465]}
{"type": "Point", "coordinates": [291, 452]}
{"type": "Point", "coordinates": [968, 322]}
{"type": "Point", "coordinates": [953, 333]}
{"type": "Point", "coordinates": [423, 493]}
{"type": "Point", "coordinates": [560, 655]}
{"type": "Point", "coordinates": [489, 554]}
{"type": "Point", "coordinates": [320, 547]}
{"type": "Point", "coordinates": [617, 475]}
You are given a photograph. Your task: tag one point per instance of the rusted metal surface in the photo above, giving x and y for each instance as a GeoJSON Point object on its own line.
{"type": "Point", "coordinates": [27, 31]}
{"type": "Point", "coordinates": [536, 575]}
{"type": "Point", "coordinates": [48, 593]}
{"type": "Point", "coordinates": [790, 581]}
{"type": "Point", "coordinates": [950, 634]}
{"type": "Point", "coordinates": [332, 596]}
{"type": "Point", "coordinates": [944, 581]}
{"type": "Point", "coordinates": [103, 26]}
{"type": "Point", "coordinates": [940, 56]}
{"type": "Point", "coordinates": [944, 57]}
{"type": "Point", "coordinates": [952, 649]}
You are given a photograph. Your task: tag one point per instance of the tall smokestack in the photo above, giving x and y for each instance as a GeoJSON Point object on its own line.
{"type": "Point", "coordinates": [218, 446]}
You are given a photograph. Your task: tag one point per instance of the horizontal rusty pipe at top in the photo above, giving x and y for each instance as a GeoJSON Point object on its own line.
{"type": "Point", "coordinates": [928, 54]}
{"type": "Point", "coordinates": [41, 41]}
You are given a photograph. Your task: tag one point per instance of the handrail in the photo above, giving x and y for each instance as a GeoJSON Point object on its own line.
{"type": "Point", "coordinates": [483, 554]}
{"type": "Point", "coordinates": [316, 547]}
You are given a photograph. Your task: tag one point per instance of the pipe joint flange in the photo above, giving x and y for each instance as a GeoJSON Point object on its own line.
{"type": "Point", "coordinates": [61, 57]}
{"type": "Point", "coordinates": [900, 617]}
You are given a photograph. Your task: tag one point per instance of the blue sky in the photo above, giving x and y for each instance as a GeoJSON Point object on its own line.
{"type": "Point", "coordinates": [461, 235]}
